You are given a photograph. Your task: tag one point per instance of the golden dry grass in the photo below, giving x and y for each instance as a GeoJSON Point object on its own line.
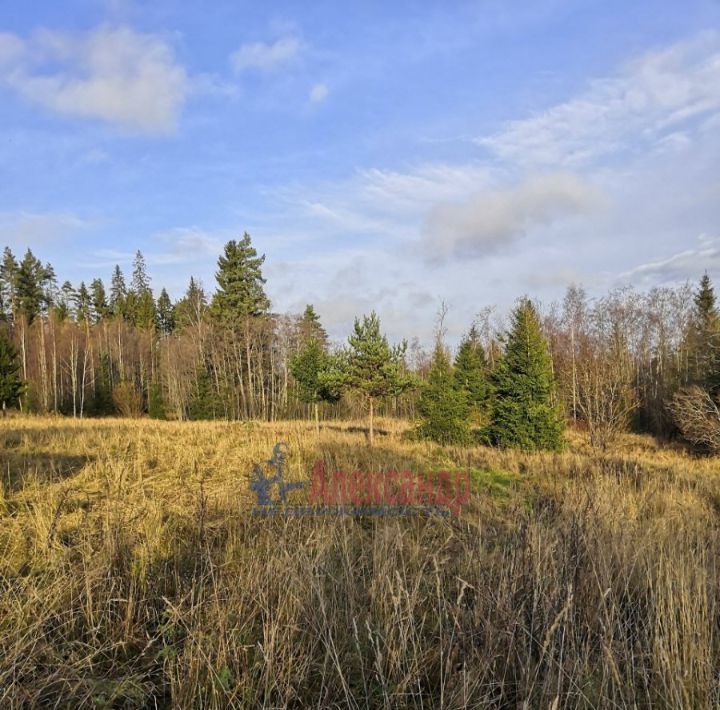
{"type": "Point", "coordinates": [133, 575]}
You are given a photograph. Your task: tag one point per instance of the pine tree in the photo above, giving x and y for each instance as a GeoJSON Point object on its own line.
{"type": "Point", "coordinates": [375, 370]}
{"type": "Point", "coordinates": [66, 298]}
{"type": "Point", "coordinates": [31, 281]}
{"type": "Point", "coordinates": [523, 414]}
{"type": "Point", "coordinates": [319, 376]}
{"type": "Point", "coordinates": [118, 293]}
{"type": "Point", "coordinates": [100, 306]}
{"type": "Point", "coordinates": [443, 403]}
{"type": "Point", "coordinates": [11, 386]}
{"type": "Point", "coordinates": [240, 292]}
{"type": "Point", "coordinates": [471, 375]}
{"type": "Point", "coordinates": [165, 313]}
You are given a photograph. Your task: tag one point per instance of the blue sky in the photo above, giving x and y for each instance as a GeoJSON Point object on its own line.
{"type": "Point", "coordinates": [387, 155]}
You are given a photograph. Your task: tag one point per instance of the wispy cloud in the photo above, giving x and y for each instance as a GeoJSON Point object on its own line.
{"type": "Point", "coordinates": [27, 229]}
{"type": "Point", "coordinates": [264, 56]}
{"type": "Point", "coordinates": [639, 106]}
{"type": "Point", "coordinates": [705, 255]}
{"type": "Point", "coordinates": [123, 77]}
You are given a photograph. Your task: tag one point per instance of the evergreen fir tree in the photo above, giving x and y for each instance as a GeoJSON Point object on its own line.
{"type": "Point", "coordinates": [523, 414]}
{"type": "Point", "coordinates": [309, 327]}
{"type": "Point", "coordinates": [83, 304]}
{"type": "Point", "coordinates": [319, 376]}
{"type": "Point", "coordinates": [156, 406]}
{"type": "Point", "coordinates": [100, 307]}
{"type": "Point", "coordinates": [118, 294]}
{"type": "Point", "coordinates": [190, 309]}
{"type": "Point", "coordinates": [704, 338]}
{"type": "Point", "coordinates": [443, 403]}
{"type": "Point", "coordinates": [240, 292]}
{"type": "Point", "coordinates": [11, 386]}
{"type": "Point", "coordinates": [375, 370]}
{"type": "Point", "coordinates": [140, 302]}
{"type": "Point", "coordinates": [101, 403]}
{"type": "Point", "coordinates": [165, 313]}
{"type": "Point", "coordinates": [471, 375]}
{"type": "Point", "coordinates": [204, 404]}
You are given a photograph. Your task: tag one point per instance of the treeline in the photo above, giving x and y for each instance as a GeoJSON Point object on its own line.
{"type": "Point", "coordinates": [622, 361]}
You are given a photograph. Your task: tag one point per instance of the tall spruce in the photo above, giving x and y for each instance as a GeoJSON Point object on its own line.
{"type": "Point", "coordinates": [190, 310]}
{"type": "Point", "coordinates": [165, 313]}
{"type": "Point", "coordinates": [118, 293]}
{"type": "Point", "coordinates": [11, 386]}
{"type": "Point", "coordinates": [471, 376]}
{"type": "Point", "coordinates": [443, 403]}
{"type": "Point", "coordinates": [704, 338]}
{"type": "Point", "coordinates": [140, 302]}
{"type": "Point", "coordinates": [375, 369]}
{"type": "Point", "coordinates": [100, 305]}
{"type": "Point", "coordinates": [240, 293]}
{"type": "Point", "coordinates": [310, 326]}
{"type": "Point", "coordinates": [523, 413]}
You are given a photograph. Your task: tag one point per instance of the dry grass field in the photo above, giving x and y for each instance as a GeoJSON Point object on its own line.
{"type": "Point", "coordinates": [132, 574]}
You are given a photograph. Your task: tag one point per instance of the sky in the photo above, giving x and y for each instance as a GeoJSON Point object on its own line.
{"type": "Point", "coordinates": [386, 155]}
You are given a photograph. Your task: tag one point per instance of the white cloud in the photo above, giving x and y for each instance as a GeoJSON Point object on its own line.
{"type": "Point", "coordinates": [688, 263]}
{"type": "Point", "coordinates": [492, 219]}
{"type": "Point", "coordinates": [643, 103]}
{"type": "Point", "coordinates": [319, 93]}
{"type": "Point", "coordinates": [118, 75]}
{"type": "Point", "coordinates": [11, 48]}
{"type": "Point", "coordinates": [266, 57]}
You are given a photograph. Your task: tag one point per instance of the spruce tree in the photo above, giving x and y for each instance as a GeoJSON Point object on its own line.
{"type": "Point", "coordinates": [83, 304]}
{"type": "Point", "coordinates": [240, 292]}
{"type": "Point", "coordinates": [310, 326]}
{"type": "Point", "coordinates": [156, 406]}
{"type": "Point", "coordinates": [204, 403]}
{"type": "Point", "coordinates": [99, 300]}
{"type": "Point", "coordinates": [443, 403]}
{"type": "Point", "coordinates": [190, 310]}
{"type": "Point", "coordinates": [165, 313]}
{"type": "Point", "coordinates": [118, 293]}
{"type": "Point", "coordinates": [523, 414]}
{"type": "Point", "coordinates": [140, 301]}
{"type": "Point", "coordinates": [471, 375]}
{"type": "Point", "coordinates": [704, 338]}
{"type": "Point", "coordinates": [375, 370]}
{"type": "Point", "coordinates": [319, 376]}
{"type": "Point", "coordinates": [11, 386]}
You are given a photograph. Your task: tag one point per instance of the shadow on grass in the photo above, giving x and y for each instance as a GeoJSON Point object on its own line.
{"type": "Point", "coordinates": [23, 460]}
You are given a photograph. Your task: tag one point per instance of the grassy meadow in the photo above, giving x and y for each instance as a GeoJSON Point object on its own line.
{"type": "Point", "coordinates": [132, 574]}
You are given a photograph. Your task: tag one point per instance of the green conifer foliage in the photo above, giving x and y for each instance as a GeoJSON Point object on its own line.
{"type": "Point", "coordinates": [11, 386]}
{"type": "Point", "coordinates": [375, 370]}
{"type": "Point", "coordinates": [523, 414]}
{"type": "Point", "coordinates": [240, 282]}
{"type": "Point", "coordinates": [471, 376]}
{"type": "Point", "coordinates": [443, 404]}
